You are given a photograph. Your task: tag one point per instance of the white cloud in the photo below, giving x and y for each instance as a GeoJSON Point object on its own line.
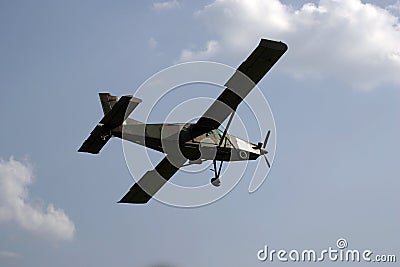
{"type": "Point", "coordinates": [166, 5]}
{"type": "Point", "coordinates": [212, 48]}
{"type": "Point", "coordinates": [9, 254]}
{"type": "Point", "coordinates": [15, 177]}
{"type": "Point", "coordinates": [354, 42]}
{"type": "Point", "coordinates": [152, 43]}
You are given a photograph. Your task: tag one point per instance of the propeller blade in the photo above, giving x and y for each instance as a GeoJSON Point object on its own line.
{"type": "Point", "coordinates": [266, 139]}
{"type": "Point", "coordinates": [266, 159]}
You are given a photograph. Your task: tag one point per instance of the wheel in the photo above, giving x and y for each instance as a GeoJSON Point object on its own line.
{"type": "Point", "coordinates": [215, 182]}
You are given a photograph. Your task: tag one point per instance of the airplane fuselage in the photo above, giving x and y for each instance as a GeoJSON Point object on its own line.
{"type": "Point", "coordinates": [165, 138]}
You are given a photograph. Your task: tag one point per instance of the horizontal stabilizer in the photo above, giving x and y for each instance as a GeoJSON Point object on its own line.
{"type": "Point", "coordinates": [97, 139]}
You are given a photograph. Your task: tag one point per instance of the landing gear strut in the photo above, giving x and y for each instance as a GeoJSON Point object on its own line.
{"type": "Point", "coordinates": [216, 181]}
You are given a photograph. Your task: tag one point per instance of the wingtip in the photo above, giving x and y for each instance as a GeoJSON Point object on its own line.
{"type": "Point", "coordinates": [131, 202]}
{"type": "Point", "coordinates": [278, 45]}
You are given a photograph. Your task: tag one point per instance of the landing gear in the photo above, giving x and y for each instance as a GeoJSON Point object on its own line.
{"type": "Point", "coordinates": [216, 181]}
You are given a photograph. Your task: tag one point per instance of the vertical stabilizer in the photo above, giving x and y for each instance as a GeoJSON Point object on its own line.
{"type": "Point", "coordinates": [107, 101]}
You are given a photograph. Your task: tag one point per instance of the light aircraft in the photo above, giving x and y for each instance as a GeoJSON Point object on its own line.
{"type": "Point", "coordinates": [187, 143]}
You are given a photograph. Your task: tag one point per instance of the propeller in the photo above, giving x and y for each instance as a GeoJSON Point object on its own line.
{"type": "Point", "coordinates": [266, 139]}
{"type": "Point", "coordinates": [266, 159]}
{"type": "Point", "coordinates": [263, 151]}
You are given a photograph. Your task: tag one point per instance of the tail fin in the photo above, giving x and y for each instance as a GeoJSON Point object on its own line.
{"type": "Point", "coordinates": [107, 101]}
{"type": "Point", "coordinates": [116, 112]}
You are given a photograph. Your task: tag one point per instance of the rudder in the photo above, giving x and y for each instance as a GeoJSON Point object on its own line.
{"type": "Point", "coordinates": [107, 101]}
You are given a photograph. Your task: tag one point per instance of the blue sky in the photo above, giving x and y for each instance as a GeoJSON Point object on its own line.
{"type": "Point", "coordinates": [334, 96]}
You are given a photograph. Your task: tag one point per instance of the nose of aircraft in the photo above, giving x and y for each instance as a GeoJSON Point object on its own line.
{"type": "Point", "coordinates": [263, 151]}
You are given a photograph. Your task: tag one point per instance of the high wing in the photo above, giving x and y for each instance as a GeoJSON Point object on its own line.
{"type": "Point", "coordinates": [249, 73]}
{"type": "Point", "coordinates": [153, 180]}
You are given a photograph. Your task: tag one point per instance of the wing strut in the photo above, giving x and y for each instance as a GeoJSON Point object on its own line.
{"type": "Point", "coordinates": [226, 129]}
